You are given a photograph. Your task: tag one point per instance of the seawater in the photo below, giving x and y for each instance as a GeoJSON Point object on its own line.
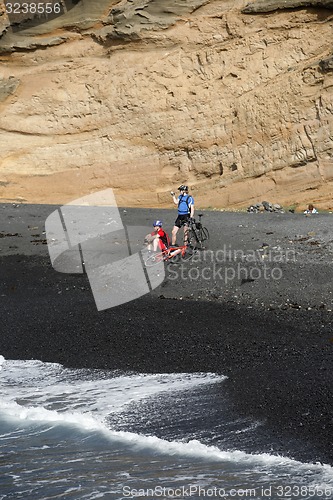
{"type": "Point", "coordinates": [88, 434]}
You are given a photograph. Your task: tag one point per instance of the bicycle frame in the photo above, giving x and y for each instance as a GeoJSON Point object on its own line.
{"type": "Point", "coordinates": [195, 233]}
{"type": "Point", "coordinates": [167, 254]}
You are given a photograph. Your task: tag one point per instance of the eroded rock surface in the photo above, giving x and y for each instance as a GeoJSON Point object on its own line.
{"type": "Point", "coordinates": [271, 5]}
{"type": "Point", "coordinates": [140, 96]}
{"type": "Point", "coordinates": [4, 22]}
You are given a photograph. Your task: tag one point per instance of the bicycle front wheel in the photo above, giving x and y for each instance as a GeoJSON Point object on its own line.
{"type": "Point", "coordinates": [193, 240]}
{"type": "Point", "coordinates": [203, 236]}
{"type": "Point", "coordinates": [153, 259]}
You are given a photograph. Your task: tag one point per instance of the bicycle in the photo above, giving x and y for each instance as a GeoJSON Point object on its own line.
{"type": "Point", "coordinates": [196, 234]}
{"type": "Point", "coordinates": [173, 253]}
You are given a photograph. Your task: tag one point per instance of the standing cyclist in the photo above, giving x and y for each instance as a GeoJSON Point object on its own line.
{"type": "Point", "coordinates": [185, 204]}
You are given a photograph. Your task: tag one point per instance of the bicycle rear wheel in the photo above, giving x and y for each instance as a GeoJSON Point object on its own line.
{"type": "Point", "coordinates": [203, 234]}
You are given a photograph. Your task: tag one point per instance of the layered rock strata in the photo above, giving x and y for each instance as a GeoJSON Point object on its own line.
{"type": "Point", "coordinates": [229, 97]}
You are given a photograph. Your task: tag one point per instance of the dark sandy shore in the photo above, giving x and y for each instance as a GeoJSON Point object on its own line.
{"type": "Point", "coordinates": [272, 337]}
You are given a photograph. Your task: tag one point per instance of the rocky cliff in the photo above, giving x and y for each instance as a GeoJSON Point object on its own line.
{"type": "Point", "coordinates": [233, 98]}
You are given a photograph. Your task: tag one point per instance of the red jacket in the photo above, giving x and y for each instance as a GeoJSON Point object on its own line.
{"type": "Point", "coordinates": [164, 240]}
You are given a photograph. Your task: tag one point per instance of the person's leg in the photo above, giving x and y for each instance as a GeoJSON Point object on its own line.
{"type": "Point", "coordinates": [175, 252]}
{"type": "Point", "coordinates": [156, 245]}
{"type": "Point", "coordinates": [175, 230]}
{"type": "Point", "coordinates": [186, 228]}
{"type": "Point", "coordinates": [185, 233]}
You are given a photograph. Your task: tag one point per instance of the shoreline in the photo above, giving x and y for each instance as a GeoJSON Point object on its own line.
{"type": "Point", "coordinates": [277, 355]}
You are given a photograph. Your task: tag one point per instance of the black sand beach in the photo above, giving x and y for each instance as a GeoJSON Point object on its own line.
{"type": "Point", "coordinates": [272, 337]}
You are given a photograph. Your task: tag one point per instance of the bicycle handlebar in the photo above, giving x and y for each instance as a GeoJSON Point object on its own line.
{"type": "Point", "coordinates": [187, 222]}
{"type": "Point", "coordinates": [191, 221]}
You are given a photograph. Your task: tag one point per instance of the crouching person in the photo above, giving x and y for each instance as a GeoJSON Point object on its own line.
{"type": "Point", "coordinates": [158, 240]}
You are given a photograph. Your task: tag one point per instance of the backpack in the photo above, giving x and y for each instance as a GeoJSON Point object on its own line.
{"type": "Point", "coordinates": [165, 239]}
{"type": "Point", "coordinates": [167, 242]}
{"type": "Point", "coordinates": [185, 199]}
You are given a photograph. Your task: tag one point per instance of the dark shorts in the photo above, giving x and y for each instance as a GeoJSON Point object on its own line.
{"type": "Point", "coordinates": [179, 222]}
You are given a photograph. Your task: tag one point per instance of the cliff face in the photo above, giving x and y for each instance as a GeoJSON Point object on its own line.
{"type": "Point", "coordinates": [234, 99]}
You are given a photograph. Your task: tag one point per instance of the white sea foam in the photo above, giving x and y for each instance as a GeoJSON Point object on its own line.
{"type": "Point", "coordinates": [51, 386]}
{"type": "Point", "coordinates": [2, 360]}
{"type": "Point", "coordinates": [39, 414]}
{"type": "Point", "coordinates": [37, 391]}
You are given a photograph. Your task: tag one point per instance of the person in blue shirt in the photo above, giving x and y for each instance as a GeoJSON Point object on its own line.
{"type": "Point", "coordinates": [185, 203]}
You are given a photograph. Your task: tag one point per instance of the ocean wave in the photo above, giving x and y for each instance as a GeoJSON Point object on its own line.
{"type": "Point", "coordinates": [193, 449]}
{"type": "Point", "coordinates": [40, 398]}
